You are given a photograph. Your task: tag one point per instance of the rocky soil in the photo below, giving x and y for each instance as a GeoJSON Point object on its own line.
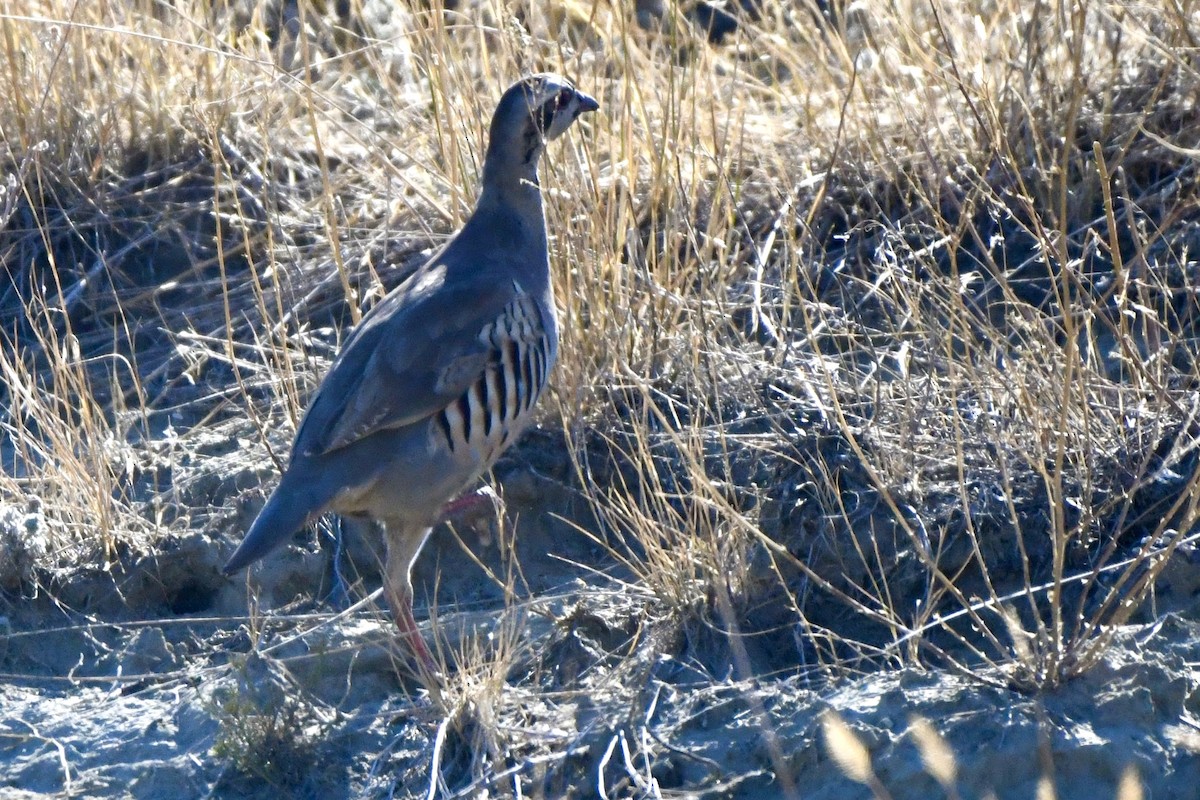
{"type": "Point", "coordinates": [159, 679]}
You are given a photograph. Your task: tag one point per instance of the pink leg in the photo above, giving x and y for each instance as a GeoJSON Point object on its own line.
{"type": "Point", "coordinates": [401, 605]}
{"type": "Point", "coordinates": [404, 542]}
{"type": "Point", "coordinates": [480, 506]}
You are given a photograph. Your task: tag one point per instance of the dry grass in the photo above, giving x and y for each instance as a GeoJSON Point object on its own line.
{"type": "Point", "coordinates": [881, 329]}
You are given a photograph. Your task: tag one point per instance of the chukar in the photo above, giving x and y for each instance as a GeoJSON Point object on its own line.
{"type": "Point", "coordinates": [443, 373]}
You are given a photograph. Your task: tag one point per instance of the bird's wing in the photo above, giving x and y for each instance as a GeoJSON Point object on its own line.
{"type": "Point", "coordinates": [415, 353]}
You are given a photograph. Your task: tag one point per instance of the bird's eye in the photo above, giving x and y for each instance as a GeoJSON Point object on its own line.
{"type": "Point", "coordinates": [564, 97]}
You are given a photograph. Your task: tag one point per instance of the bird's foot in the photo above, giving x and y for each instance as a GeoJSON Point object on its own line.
{"type": "Point", "coordinates": [481, 510]}
{"type": "Point", "coordinates": [419, 660]}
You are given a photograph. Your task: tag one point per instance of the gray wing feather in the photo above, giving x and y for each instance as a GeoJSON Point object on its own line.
{"type": "Point", "coordinates": [413, 354]}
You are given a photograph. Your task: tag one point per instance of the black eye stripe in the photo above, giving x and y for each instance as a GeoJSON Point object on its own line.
{"type": "Point", "coordinates": [545, 113]}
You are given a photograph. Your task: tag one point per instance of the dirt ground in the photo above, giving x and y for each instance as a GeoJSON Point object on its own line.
{"type": "Point", "coordinates": [170, 687]}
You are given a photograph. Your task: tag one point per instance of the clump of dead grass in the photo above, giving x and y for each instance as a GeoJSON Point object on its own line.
{"type": "Point", "coordinates": [944, 289]}
{"type": "Point", "coordinates": [268, 731]}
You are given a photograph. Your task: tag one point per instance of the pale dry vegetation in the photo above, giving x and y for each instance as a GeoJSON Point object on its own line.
{"type": "Point", "coordinates": [881, 325]}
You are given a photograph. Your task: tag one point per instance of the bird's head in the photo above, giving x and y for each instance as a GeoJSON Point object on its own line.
{"type": "Point", "coordinates": [534, 110]}
{"type": "Point", "coordinates": [553, 103]}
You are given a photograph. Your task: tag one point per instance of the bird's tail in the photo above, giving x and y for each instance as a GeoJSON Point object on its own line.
{"type": "Point", "coordinates": [283, 515]}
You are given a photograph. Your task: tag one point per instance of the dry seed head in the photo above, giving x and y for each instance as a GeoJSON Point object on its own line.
{"type": "Point", "coordinates": [1130, 786]}
{"type": "Point", "coordinates": [1020, 637]}
{"type": "Point", "coordinates": [936, 754]}
{"type": "Point", "coordinates": [846, 749]}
